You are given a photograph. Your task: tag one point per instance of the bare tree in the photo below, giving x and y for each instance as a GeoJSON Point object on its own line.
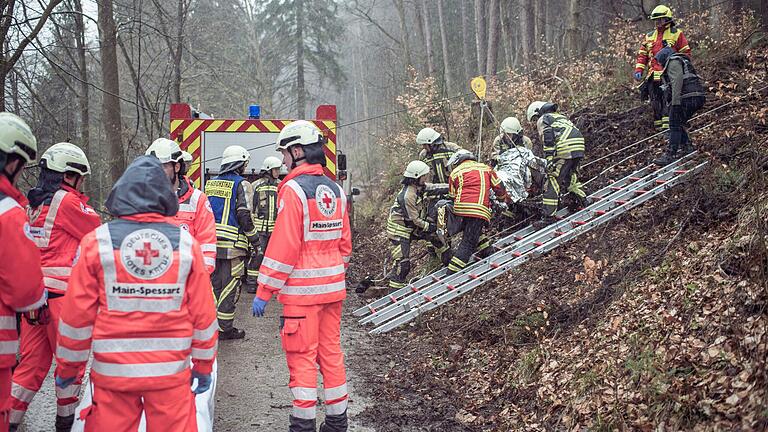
{"type": "Point", "coordinates": [494, 29]}
{"type": "Point", "coordinates": [301, 99]}
{"type": "Point", "coordinates": [404, 31]}
{"type": "Point", "coordinates": [480, 35]}
{"type": "Point", "coordinates": [466, 42]}
{"type": "Point", "coordinates": [573, 39]}
{"type": "Point", "coordinates": [82, 71]}
{"type": "Point", "coordinates": [111, 80]}
{"type": "Point", "coordinates": [526, 30]}
{"type": "Point", "coordinates": [444, 42]}
{"type": "Point", "coordinates": [427, 37]}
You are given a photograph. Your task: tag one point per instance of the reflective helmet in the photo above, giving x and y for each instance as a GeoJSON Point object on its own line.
{"type": "Point", "coordinates": [65, 157]}
{"type": "Point", "coordinates": [271, 162]}
{"type": "Point", "coordinates": [427, 136]}
{"type": "Point", "coordinates": [416, 169]}
{"type": "Point", "coordinates": [186, 157]}
{"type": "Point", "coordinates": [661, 11]}
{"type": "Point", "coordinates": [165, 150]}
{"type": "Point", "coordinates": [234, 157]}
{"type": "Point", "coordinates": [533, 109]}
{"type": "Point", "coordinates": [299, 132]}
{"type": "Point", "coordinates": [16, 137]}
{"type": "Point", "coordinates": [461, 155]}
{"type": "Point", "coordinates": [510, 125]}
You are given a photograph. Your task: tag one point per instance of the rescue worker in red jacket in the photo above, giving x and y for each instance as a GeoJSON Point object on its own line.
{"type": "Point", "coordinates": [470, 186]}
{"type": "Point", "coordinates": [305, 265]}
{"type": "Point", "coordinates": [21, 281]}
{"type": "Point", "coordinates": [666, 34]}
{"type": "Point", "coordinates": [60, 217]}
{"type": "Point", "coordinates": [195, 214]}
{"type": "Point", "coordinates": [140, 297]}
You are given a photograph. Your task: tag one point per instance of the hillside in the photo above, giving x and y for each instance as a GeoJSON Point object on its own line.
{"type": "Point", "coordinates": [655, 321]}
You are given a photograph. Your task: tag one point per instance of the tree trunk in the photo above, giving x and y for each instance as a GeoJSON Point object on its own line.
{"type": "Point", "coordinates": [404, 32]}
{"type": "Point", "coordinates": [114, 156]}
{"type": "Point", "coordinates": [573, 39]}
{"type": "Point", "coordinates": [526, 31]}
{"type": "Point", "coordinates": [538, 27]}
{"type": "Point", "coordinates": [301, 96]}
{"type": "Point", "coordinates": [493, 38]}
{"type": "Point", "coordinates": [444, 41]}
{"type": "Point", "coordinates": [764, 15]}
{"type": "Point", "coordinates": [181, 16]}
{"type": "Point", "coordinates": [420, 25]}
{"type": "Point", "coordinates": [480, 35]}
{"type": "Point", "coordinates": [427, 37]}
{"type": "Point", "coordinates": [82, 71]}
{"type": "Point", "coordinates": [466, 42]}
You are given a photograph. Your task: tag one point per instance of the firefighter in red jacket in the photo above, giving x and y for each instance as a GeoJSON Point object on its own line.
{"type": "Point", "coordinates": [60, 217]}
{"type": "Point", "coordinates": [470, 186]}
{"type": "Point", "coordinates": [305, 265]}
{"type": "Point", "coordinates": [140, 298]}
{"type": "Point", "coordinates": [666, 34]}
{"type": "Point", "coordinates": [21, 281]}
{"type": "Point", "coordinates": [195, 214]}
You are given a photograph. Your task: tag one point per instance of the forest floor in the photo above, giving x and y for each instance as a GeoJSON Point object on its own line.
{"type": "Point", "coordinates": [655, 321]}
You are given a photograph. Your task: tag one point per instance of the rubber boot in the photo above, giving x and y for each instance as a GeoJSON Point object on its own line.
{"type": "Point", "coordinates": [64, 424]}
{"type": "Point", "coordinates": [301, 425]}
{"type": "Point", "coordinates": [232, 333]}
{"type": "Point", "coordinates": [335, 423]}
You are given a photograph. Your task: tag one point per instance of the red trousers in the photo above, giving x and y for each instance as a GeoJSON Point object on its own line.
{"type": "Point", "coordinates": [167, 410]}
{"type": "Point", "coordinates": [311, 337]}
{"type": "Point", "coordinates": [38, 347]}
{"type": "Point", "coordinates": [5, 397]}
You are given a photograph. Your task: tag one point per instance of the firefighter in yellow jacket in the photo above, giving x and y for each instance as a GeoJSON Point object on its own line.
{"type": "Point", "coordinates": [264, 215]}
{"type": "Point", "coordinates": [407, 222]}
{"type": "Point", "coordinates": [435, 153]}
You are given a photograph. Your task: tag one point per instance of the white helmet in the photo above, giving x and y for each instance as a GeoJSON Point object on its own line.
{"type": "Point", "coordinates": [511, 126]}
{"type": "Point", "coordinates": [271, 162]}
{"type": "Point", "coordinates": [186, 157]}
{"type": "Point", "coordinates": [16, 137]}
{"type": "Point", "coordinates": [416, 169]}
{"type": "Point", "coordinates": [65, 157]}
{"type": "Point", "coordinates": [427, 136]}
{"type": "Point", "coordinates": [299, 132]}
{"type": "Point", "coordinates": [460, 156]}
{"type": "Point", "coordinates": [233, 155]}
{"type": "Point", "coordinates": [533, 109]}
{"type": "Point", "coordinates": [165, 150]}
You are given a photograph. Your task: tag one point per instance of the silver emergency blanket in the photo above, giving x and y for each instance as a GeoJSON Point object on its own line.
{"type": "Point", "coordinates": [514, 170]}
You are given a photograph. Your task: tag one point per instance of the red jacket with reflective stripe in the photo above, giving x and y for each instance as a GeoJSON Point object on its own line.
{"type": "Point", "coordinates": [470, 187]}
{"type": "Point", "coordinates": [653, 42]}
{"type": "Point", "coordinates": [140, 297]}
{"type": "Point", "coordinates": [21, 282]}
{"type": "Point", "coordinates": [57, 229]}
{"type": "Point", "coordinates": [195, 215]}
{"type": "Point", "coordinates": [310, 247]}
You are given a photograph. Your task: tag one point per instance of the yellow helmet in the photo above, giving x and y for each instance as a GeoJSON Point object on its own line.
{"type": "Point", "coordinates": [661, 11]}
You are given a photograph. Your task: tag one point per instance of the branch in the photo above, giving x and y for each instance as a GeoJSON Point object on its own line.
{"type": "Point", "coordinates": [27, 40]}
{"type": "Point", "coordinates": [363, 14]}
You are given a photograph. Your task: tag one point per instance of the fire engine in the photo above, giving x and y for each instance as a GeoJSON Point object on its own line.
{"type": "Point", "coordinates": [205, 138]}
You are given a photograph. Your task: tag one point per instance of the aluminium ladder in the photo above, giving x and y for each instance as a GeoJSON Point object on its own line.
{"type": "Point", "coordinates": [429, 292]}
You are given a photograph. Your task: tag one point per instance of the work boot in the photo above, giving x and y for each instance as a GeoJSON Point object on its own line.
{"type": "Point", "coordinates": [301, 425]}
{"type": "Point", "coordinates": [233, 333]}
{"type": "Point", "coordinates": [335, 423]}
{"type": "Point", "coordinates": [250, 288]}
{"type": "Point", "coordinates": [667, 158]}
{"type": "Point", "coordinates": [686, 149]}
{"type": "Point", "coordinates": [64, 423]}
{"type": "Point", "coordinates": [543, 222]}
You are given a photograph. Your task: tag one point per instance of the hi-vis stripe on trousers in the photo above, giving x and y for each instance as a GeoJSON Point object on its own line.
{"type": "Point", "coordinates": [226, 280]}
{"type": "Point", "coordinates": [562, 175]}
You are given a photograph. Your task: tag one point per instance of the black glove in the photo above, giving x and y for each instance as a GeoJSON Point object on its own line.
{"type": "Point", "coordinates": [39, 316]}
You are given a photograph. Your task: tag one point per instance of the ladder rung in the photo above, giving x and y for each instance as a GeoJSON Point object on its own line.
{"type": "Point", "coordinates": [414, 289]}
{"type": "Point", "coordinates": [558, 233]}
{"type": "Point", "coordinates": [616, 188]}
{"type": "Point", "coordinates": [600, 212]}
{"type": "Point", "coordinates": [494, 265]}
{"type": "Point", "coordinates": [473, 276]}
{"type": "Point", "coordinates": [435, 278]}
{"type": "Point", "coordinates": [428, 298]}
{"type": "Point", "coordinates": [516, 253]}
{"type": "Point", "coordinates": [635, 178]}
{"type": "Point", "coordinates": [681, 171]}
{"type": "Point", "coordinates": [640, 191]}
{"type": "Point", "coordinates": [621, 202]}
{"type": "Point", "coordinates": [450, 287]}
{"type": "Point", "coordinates": [373, 309]}
{"type": "Point", "coordinates": [537, 244]}
{"type": "Point", "coordinates": [577, 223]}
{"type": "Point", "coordinates": [518, 238]}
{"type": "Point", "coordinates": [661, 181]}
{"type": "Point", "coordinates": [393, 298]}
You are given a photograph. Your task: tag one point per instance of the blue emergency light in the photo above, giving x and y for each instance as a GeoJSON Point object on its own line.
{"type": "Point", "coordinates": [254, 112]}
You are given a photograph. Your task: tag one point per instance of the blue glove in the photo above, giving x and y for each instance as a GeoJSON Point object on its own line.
{"type": "Point", "coordinates": [638, 76]}
{"type": "Point", "coordinates": [203, 382]}
{"type": "Point", "coordinates": [258, 306]}
{"type": "Point", "coordinates": [64, 382]}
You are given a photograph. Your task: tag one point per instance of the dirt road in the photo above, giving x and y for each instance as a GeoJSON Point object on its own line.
{"type": "Point", "coordinates": [252, 392]}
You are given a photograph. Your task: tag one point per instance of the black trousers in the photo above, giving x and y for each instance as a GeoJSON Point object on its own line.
{"type": "Point", "coordinates": [678, 117]}
{"type": "Point", "coordinates": [472, 238]}
{"type": "Point", "coordinates": [659, 106]}
{"type": "Point", "coordinates": [255, 259]}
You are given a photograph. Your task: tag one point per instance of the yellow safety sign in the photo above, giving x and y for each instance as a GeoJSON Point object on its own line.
{"type": "Point", "coordinates": [478, 87]}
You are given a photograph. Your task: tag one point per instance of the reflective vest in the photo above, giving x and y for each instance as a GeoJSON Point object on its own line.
{"type": "Point", "coordinates": [21, 287]}
{"type": "Point", "coordinates": [311, 245]}
{"type": "Point", "coordinates": [470, 187]}
{"type": "Point", "coordinates": [653, 42]}
{"type": "Point", "coordinates": [139, 296]}
{"type": "Point", "coordinates": [438, 161]}
{"type": "Point", "coordinates": [265, 205]}
{"type": "Point", "coordinates": [567, 142]}
{"type": "Point", "coordinates": [222, 194]}
{"type": "Point", "coordinates": [399, 223]}
{"type": "Point", "coordinates": [57, 229]}
{"type": "Point", "coordinates": [196, 216]}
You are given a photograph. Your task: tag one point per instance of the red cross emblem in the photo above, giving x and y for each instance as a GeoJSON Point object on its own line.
{"type": "Point", "coordinates": [147, 253]}
{"type": "Point", "coordinates": [327, 200]}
